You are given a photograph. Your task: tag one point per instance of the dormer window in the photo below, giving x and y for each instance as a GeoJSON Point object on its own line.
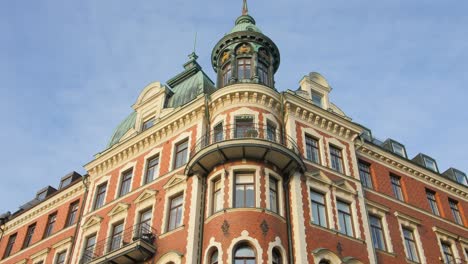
{"type": "Point", "coordinates": [430, 164]}
{"type": "Point", "coordinates": [244, 68]}
{"type": "Point", "coordinates": [148, 123]}
{"type": "Point", "coordinates": [65, 182]}
{"type": "Point", "coordinates": [42, 195]}
{"type": "Point", "coordinates": [398, 149]}
{"type": "Point", "coordinates": [460, 177]}
{"type": "Point", "coordinates": [317, 99]}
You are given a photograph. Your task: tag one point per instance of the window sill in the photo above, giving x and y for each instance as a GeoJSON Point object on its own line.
{"type": "Point", "coordinates": [336, 232]}
{"type": "Point", "coordinates": [412, 262]}
{"type": "Point", "coordinates": [171, 232]}
{"type": "Point", "coordinates": [244, 209]}
{"type": "Point", "coordinates": [385, 252]}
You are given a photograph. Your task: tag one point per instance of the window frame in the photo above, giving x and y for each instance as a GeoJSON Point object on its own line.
{"type": "Point", "coordinates": [153, 167]}
{"type": "Point", "coordinates": [151, 121]}
{"type": "Point", "coordinates": [214, 193]}
{"type": "Point", "coordinates": [126, 179]}
{"type": "Point", "coordinates": [72, 213]}
{"type": "Point", "coordinates": [87, 247]}
{"type": "Point", "coordinates": [9, 246]}
{"type": "Point", "coordinates": [311, 148]}
{"type": "Point", "coordinates": [29, 235]}
{"type": "Point", "coordinates": [431, 197]}
{"type": "Point", "coordinates": [410, 255]}
{"type": "Point", "coordinates": [446, 255]}
{"type": "Point", "coordinates": [180, 154]}
{"type": "Point", "coordinates": [116, 234]}
{"type": "Point", "coordinates": [244, 68]}
{"type": "Point", "coordinates": [455, 209]}
{"type": "Point", "coordinates": [346, 215]}
{"type": "Point", "coordinates": [58, 255]}
{"type": "Point", "coordinates": [382, 241]}
{"type": "Point", "coordinates": [397, 187]}
{"type": "Point", "coordinates": [365, 176]}
{"type": "Point", "coordinates": [273, 191]}
{"type": "Point", "coordinates": [49, 229]}
{"type": "Point", "coordinates": [263, 73]}
{"type": "Point", "coordinates": [319, 206]}
{"type": "Point", "coordinates": [244, 258]}
{"type": "Point", "coordinates": [218, 130]}
{"type": "Point", "coordinates": [245, 185]}
{"type": "Point", "coordinates": [271, 128]}
{"type": "Point", "coordinates": [226, 74]}
{"type": "Point", "coordinates": [101, 191]}
{"type": "Point", "coordinates": [334, 156]}
{"type": "Point", "coordinates": [248, 124]}
{"type": "Point", "coordinates": [179, 211]}
{"type": "Point", "coordinates": [317, 96]}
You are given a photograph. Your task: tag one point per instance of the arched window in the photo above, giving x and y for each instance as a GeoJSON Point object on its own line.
{"type": "Point", "coordinates": [214, 257]}
{"type": "Point", "coordinates": [243, 68]}
{"type": "Point", "coordinates": [227, 73]}
{"type": "Point", "coordinates": [244, 255]}
{"type": "Point", "coordinates": [324, 261]}
{"type": "Point", "coordinates": [276, 257]}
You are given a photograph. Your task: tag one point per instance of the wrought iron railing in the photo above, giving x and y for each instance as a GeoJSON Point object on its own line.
{"type": "Point", "coordinates": [244, 131]}
{"type": "Point", "coordinates": [142, 231]}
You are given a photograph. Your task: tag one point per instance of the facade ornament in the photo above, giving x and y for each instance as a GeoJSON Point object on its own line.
{"type": "Point", "coordinates": [264, 226]}
{"type": "Point", "coordinates": [225, 227]}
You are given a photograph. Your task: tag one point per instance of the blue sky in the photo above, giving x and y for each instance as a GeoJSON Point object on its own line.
{"type": "Point", "coordinates": [70, 70]}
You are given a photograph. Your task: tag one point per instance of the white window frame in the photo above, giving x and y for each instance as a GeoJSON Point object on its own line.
{"type": "Point", "coordinates": [381, 212]}
{"type": "Point", "coordinates": [172, 192]}
{"type": "Point", "coordinates": [320, 141]}
{"type": "Point", "coordinates": [279, 180]}
{"type": "Point", "coordinates": [180, 138]}
{"type": "Point", "coordinates": [106, 179]}
{"type": "Point", "coordinates": [221, 176]}
{"type": "Point", "coordinates": [347, 196]}
{"type": "Point", "coordinates": [344, 156]}
{"type": "Point", "coordinates": [448, 238]}
{"type": "Point", "coordinates": [412, 224]}
{"type": "Point", "coordinates": [324, 188]}
{"type": "Point", "coordinates": [153, 153]}
{"type": "Point", "coordinates": [255, 169]}
{"type": "Point", "coordinates": [125, 168]}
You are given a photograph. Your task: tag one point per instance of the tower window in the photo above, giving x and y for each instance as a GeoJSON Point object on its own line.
{"type": "Point", "coordinates": [244, 255]}
{"type": "Point", "coordinates": [244, 190]}
{"type": "Point", "coordinates": [263, 73]}
{"type": "Point", "coordinates": [227, 74]}
{"type": "Point", "coordinates": [243, 68]}
{"type": "Point", "coordinates": [317, 99]}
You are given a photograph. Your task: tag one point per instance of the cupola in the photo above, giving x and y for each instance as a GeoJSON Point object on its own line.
{"type": "Point", "coordinates": [245, 55]}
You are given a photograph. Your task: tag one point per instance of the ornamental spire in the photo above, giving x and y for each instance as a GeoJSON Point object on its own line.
{"type": "Point", "coordinates": [245, 9]}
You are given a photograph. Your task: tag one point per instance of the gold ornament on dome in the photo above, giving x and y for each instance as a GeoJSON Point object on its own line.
{"type": "Point", "coordinates": [225, 56]}
{"type": "Point", "coordinates": [244, 49]}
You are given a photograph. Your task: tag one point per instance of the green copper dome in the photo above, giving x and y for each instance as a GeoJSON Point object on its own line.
{"type": "Point", "coordinates": [245, 23]}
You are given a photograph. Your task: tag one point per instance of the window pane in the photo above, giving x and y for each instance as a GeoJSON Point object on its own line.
{"type": "Point", "coordinates": [364, 173]}
{"type": "Point", "coordinates": [312, 150]}
{"type": "Point", "coordinates": [250, 196]}
{"type": "Point", "coordinates": [336, 159]}
{"type": "Point", "coordinates": [377, 233]}
{"type": "Point", "coordinates": [181, 154]}
{"type": "Point", "coordinates": [152, 169]}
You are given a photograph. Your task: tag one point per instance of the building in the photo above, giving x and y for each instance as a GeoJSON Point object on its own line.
{"type": "Point", "coordinates": [235, 171]}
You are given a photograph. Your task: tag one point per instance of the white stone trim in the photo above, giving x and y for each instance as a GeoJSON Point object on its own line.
{"type": "Point", "coordinates": [344, 154]}
{"type": "Point", "coordinates": [270, 173]}
{"type": "Point", "coordinates": [298, 220]}
{"type": "Point", "coordinates": [378, 212]}
{"type": "Point", "coordinates": [173, 256]}
{"type": "Point", "coordinates": [218, 119]}
{"type": "Point", "coordinates": [209, 249]}
{"type": "Point", "coordinates": [193, 220]}
{"type": "Point", "coordinates": [324, 188]}
{"type": "Point", "coordinates": [110, 226]}
{"type": "Point", "coordinates": [181, 137]}
{"type": "Point", "coordinates": [256, 170]}
{"type": "Point", "coordinates": [278, 245]}
{"type": "Point", "coordinates": [449, 238]}
{"type": "Point", "coordinates": [253, 242]}
{"type": "Point", "coordinates": [153, 153]}
{"type": "Point", "coordinates": [325, 254]}
{"type": "Point", "coordinates": [63, 246]}
{"type": "Point", "coordinates": [404, 221]}
{"type": "Point", "coordinates": [321, 143]}
{"type": "Point", "coordinates": [93, 193]}
{"type": "Point", "coordinates": [40, 256]}
{"type": "Point", "coordinates": [171, 193]}
{"type": "Point", "coordinates": [243, 111]}
{"type": "Point", "coordinates": [349, 198]}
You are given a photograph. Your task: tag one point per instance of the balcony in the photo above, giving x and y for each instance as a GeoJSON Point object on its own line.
{"type": "Point", "coordinates": [247, 141]}
{"type": "Point", "coordinates": [132, 245]}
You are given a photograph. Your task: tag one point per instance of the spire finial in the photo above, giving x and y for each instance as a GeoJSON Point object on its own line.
{"type": "Point", "coordinates": [245, 9]}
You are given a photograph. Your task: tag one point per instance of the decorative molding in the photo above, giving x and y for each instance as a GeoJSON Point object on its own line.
{"type": "Point", "coordinates": [146, 194]}
{"type": "Point", "coordinates": [40, 253]}
{"type": "Point", "coordinates": [93, 220]}
{"type": "Point", "coordinates": [375, 153]}
{"type": "Point", "coordinates": [264, 227]}
{"type": "Point", "coordinates": [406, 219]}
{"type": "Point", "coordinates": [225, 227]}
{"type": "Point", "coordinates": [62, 243]}
{"type": "Point", "coordinates": [118, 208]}
{"type": "Point", "coordinates": [444, 234]}
{"type": "Point", "coordinates": [174, 181]}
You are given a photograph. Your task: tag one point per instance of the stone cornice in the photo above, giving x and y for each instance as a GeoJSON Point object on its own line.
{"type": "Point", "coordinates": [237, 94]}
{"type": "Point", "coordinates": [166, 127]}
{"type": "Point", "coordinates": [46, 206]}
{"type": "Point", "coordinates": [375, 153]}
{"type": "Point", "coordinates": [317, 116]}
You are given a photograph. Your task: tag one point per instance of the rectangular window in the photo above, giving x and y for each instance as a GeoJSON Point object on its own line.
{"type": "Point", "coordinates": [336, 159]}
{"type": "Point", "coordinates": [312, 149]}
{"type": "Point", "coordinates": [50, 225]}
{"type": "Point", "coordinates": [148, 123]}
{"type": "Point", "coordinates": [116, 237]}
{"type": "Point", "coordinates": [244, 190]}
{"type": "Point", "coordinates": [217, 196]}
{"type": "Point", "coordinates": [29, 235]}
{"type": "Point", "coordinates": [364, 173]}
{"type": "Point", "coordinates": [243, 69]}
{"type": "Point", "coordinates": [181, 151]}
{"type": "Point", "coordinates": [430, 164]}
{"type": "Point", "coordinates": [377, 232]}
{"type": "Point", "coordinates": [396, 187]}
{"type": "Point", "coordinates": [274, 195]}
{"type": "Point", "coordinates": [152, 169]}
{"type": "Point", "coordinates": [410, 245]}
{"type": "Point", "coordinates": [244, 127]}
{"type": "Point", "coordinates": [319, 212]}
{"type": "Point", "coordinates": [88, 252]}
{"type": "Point", "coordinates": [126, 182]}
{"type": "Point", "coordinates": [263, 73]}
{"type": "Point", "coordinates": [448, 254]}
{"type": "Point", "coordinates": [455, 211]}
{"type": "Point", "coordinates": [218, 133]}
{"type": "Point", "coordinates": [72, 213]}
{"type": "Point", "coordinates": [61, 256]}
{"type": "Point", "coordinates": [317, 99]}
{"type": "Point", "coordinates": [398, 149]}
{"type": "Point", "coordinates": [461, 177]}
{"type": "Point", "coordinates": [227, 74]}
{"type": "Point", "coordinates": [344, 218]}
{"type": "Point", "coordinates": [271, 131]}
{"type": "Point", "coordinates": [9, 247]}
{"type": "Point", "coordinates": [144, 228]}
{"type": "Point", "coordinates": [175, 212]}
{"type": "Point", "coordinates": [65, 182]}
{"type": "Point", "coordinates": [100, 195]}
{"type": "Point", "coordinates": [431, 198]}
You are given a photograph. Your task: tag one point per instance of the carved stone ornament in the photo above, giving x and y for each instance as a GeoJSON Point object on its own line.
{"type": "Point", "coordinates": [264, 55]}
{"type": "Point", "coordinates": [225, 227]}
{"type": "Point", "coordinates": [244, 49]}
{"type": "Point", "coordinates": [339, 248]}
{"type": "Point", "coordinates": [264, 226]}
{"type": "Point", "coordinates": [225, 56]}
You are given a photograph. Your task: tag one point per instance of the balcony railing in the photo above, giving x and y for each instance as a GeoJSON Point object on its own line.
{"type": "Point", "coordinates": [243, 140]}
{"type": "Point", "coordinates": [250, 131]}
{"type": "Point", "coordinates": [135, 244]}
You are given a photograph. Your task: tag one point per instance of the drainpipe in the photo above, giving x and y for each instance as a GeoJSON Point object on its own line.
{"type": "Point", "coordinates": [288, 220]}
{"type": "Point", "coordinates": [85, 181]}
{"type": "Point", "coordinates": [202, 222]}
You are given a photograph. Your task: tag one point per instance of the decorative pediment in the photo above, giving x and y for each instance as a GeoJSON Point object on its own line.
{"type": "Point", "coordinates": [345, 186]}
{"type": "Point", "coordinates": [93, 220]}
{"type": "Point", "coordinates": [175, 180]}
{"type": "Point", "coordinates": [119, 208]}
{"type": "Point", "coordinates": [320, 175]}
{"type": "Point", "coordinates": [148, 92]}
{"type": "Point", "coordinates": [145, 195]}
